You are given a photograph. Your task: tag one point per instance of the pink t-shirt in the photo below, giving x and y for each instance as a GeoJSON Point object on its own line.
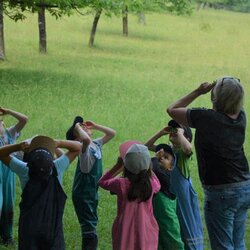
{"type": "Point", "coordinates": [135, 227]}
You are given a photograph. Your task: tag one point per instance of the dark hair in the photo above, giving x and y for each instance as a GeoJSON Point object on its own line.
{"type": "Point", "coordinates": [70, 133]}
{"type": "Point", "coordinates": [140, 187]}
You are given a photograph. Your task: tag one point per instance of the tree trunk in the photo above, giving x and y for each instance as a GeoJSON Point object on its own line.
{"type": "Point", "coordinates": [42, 30]}
{"type": "Point", "coordinates": [2, 50]}
{"type": "Point", "coordinates": [94, 27]}
{"type": "Point", "coordinates": [125, 20]}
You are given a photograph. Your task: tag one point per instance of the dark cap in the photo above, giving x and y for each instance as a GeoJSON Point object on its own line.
{"type": "Point", "coordinates": [70, 132]}
{"type": "Point", "coordinates": [187, 131]}
{"type": "Point", "coordinates": [40, 163]}
{"type": "Point", "coordinates": [166, 148]}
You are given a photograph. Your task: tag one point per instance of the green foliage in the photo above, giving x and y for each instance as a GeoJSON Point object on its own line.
{"type": "Point", "coordinates": [122, 83]}
{"type": "Point", "coordinates": [234, 5]}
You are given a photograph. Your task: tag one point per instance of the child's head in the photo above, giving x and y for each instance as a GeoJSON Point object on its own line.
{"type": "Point", "coordinates": [174, 126]}
{"type": "Point", "coordinates": [40, 157]}
{"type": "Point", "coordinates": [70, 134]}
{"type": "Point", "coordinates": [165, 156]}
{"type": "Point", "coordinates": [137, 168]}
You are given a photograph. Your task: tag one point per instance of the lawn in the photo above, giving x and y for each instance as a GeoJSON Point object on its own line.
{"type": "Point", "coordinates": [123, 82]}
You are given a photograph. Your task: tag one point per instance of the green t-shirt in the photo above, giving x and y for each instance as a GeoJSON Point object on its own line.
{"type": "Point", "coordinates": [183, 162]}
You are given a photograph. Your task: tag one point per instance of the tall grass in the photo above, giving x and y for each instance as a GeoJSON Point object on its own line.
{"type": "Point", "coordinates": [124, 83]}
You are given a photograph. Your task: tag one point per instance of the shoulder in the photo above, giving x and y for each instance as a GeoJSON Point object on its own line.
{"type": "Point", "coordinates": [63, 160]}
{"type": "Point", "coordinates": [17, 166]}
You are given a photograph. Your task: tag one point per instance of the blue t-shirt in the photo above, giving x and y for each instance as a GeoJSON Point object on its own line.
{"type": "Point", "coordinates": [20, 168]}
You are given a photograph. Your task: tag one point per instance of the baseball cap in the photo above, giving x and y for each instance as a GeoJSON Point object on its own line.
{"type": "Point", "coordinates": [40, 157]}
{"type": "Point", "coordinates": [165, 147]}
{"type": "Point", "coordinates": [125, 146]}
{"type": "Point", "coordinates": [187, 131]}
{"type": "Point", "coordinates": [137, 158]}
{"type": "Point", "coordinates": [70, 132]}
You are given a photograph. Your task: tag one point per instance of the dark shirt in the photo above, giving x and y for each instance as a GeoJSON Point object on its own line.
{"type": "Point", "coordinates": [219, 143]}
{"type": "Point", "coordinates": [164, 177]}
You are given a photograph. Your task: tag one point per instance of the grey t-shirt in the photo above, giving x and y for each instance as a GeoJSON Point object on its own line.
{"type": "Point", "coordinates": [92, 152]}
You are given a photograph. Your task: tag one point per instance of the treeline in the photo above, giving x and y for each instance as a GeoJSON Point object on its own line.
{"type": "Point", "coordinates": [17, 9]}
{"type": "Point", "coordinates": [233, 5]}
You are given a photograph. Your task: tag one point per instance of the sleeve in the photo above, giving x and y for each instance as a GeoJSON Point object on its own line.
{"type": "Point", "coordinates": [110, 183]}
{"type": "Point", "coordinates": [19, 167]}
{"type": "Point", "coordinates": [156, 186]}
{"type": "Point", "coordinates": [61, 164]}
{"type": "Point", "coordinates": [99, 141]}
{"type": "Point", "coordinates": [87, 160]}
{"type": "Point", "coordinates": [13, 132]}
{"type": "Point", "coordinates": [197, 117]}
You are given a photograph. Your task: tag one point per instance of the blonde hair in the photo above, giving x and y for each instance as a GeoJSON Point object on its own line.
{"type": "Point", "coordinates": [227, 95]}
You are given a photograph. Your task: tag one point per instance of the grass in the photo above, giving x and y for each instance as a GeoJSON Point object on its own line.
{"type": "Point", "coordinates": [124, 83]}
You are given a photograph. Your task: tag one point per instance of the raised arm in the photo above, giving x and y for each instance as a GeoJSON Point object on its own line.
{"type": "Point", "coordinates": [7, 150]}
{"type": "Point", "coordinates": [82, 136]}
{"type": "Point", "coordinates": [22, 119]}
{"type": "Point", "coordinates": [178, 109]}
{"type": "Point", "coordinates": [73, 147]}
{"type": "Point", "coordinates": [107, 180]}
{"type": "Point", "coordinates": [109, 133]}
{"type": "Point", "coordinates": [185, 145]}
{"type": "Point", "coordinates": [150, 142]}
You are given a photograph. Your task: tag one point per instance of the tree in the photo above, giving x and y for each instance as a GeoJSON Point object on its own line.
{"type": "Point", "coordinates": [12, 11]}
{"type": "Point", "coordinates": [180, 7]}
{"type": "Point", "coordinates": [108, 7]}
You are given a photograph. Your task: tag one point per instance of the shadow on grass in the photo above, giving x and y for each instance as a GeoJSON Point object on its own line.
{"type": "Point", "coordinates": [142, 35]}
{"type": "Point", "coordinates": [13, 77]}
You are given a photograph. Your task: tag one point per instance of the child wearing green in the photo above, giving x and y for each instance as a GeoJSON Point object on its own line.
{"type": "Point", "coordinates": [164, 202]}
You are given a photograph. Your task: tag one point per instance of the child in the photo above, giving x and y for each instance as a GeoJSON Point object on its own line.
{"type": "Point", "coordinates": [181, 185]}
{"type": "Point", "coordinates": [135, 226]}
{"type": "Point", "coordinates": [87, 175]}
{"type": "Point", "coordinates": [7, 177]}
{"type": "Point", "coordinates": [43, 199]}
{"type": "Point", "coordinates": [164, 202]}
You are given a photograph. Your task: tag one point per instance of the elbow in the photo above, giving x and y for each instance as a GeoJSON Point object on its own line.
{"type": "Point", "coordinates": [25, 119]}
{"type": "Point", "coordinates": [86, 141]}
{"type": "Point", "coordinates": [113, 133]}
{"type": "Point", "coordinates": [169, 111]}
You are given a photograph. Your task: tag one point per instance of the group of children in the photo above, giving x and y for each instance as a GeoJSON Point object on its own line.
{"type": "Point", "coordinates": [157, 207]}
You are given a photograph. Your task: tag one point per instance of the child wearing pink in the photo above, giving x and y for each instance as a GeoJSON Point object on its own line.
{"type": "Point", "coordinates": [135, 227]}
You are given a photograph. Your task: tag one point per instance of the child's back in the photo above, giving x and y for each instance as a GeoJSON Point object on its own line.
{"type": "Point", "coordinates": [135, 226]}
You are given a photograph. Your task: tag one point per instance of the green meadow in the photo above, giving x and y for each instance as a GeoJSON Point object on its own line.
{"type": "Point", "coordinates": [122, 82]}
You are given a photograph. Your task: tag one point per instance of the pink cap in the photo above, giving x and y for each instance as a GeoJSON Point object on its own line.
{"type": "Point", "coordinates": [125, 146]}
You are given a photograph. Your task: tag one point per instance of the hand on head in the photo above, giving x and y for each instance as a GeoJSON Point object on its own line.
{"type": "Point", "coordinates": [205, 87]}
{"type": "Point", "coordinates": [89, 124]}
{"type": "Point", "coordinates": [25, 145]}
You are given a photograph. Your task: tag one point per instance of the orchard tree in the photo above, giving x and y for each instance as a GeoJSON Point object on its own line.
{"type": "Point", "coordinates": [15, 9]}
{"type": "Point", "coordinates": [14, 12]}
{"type": "Point", "coordinates": [180, 7]}
{"type": "Point", "coordinates": [108, 7]}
